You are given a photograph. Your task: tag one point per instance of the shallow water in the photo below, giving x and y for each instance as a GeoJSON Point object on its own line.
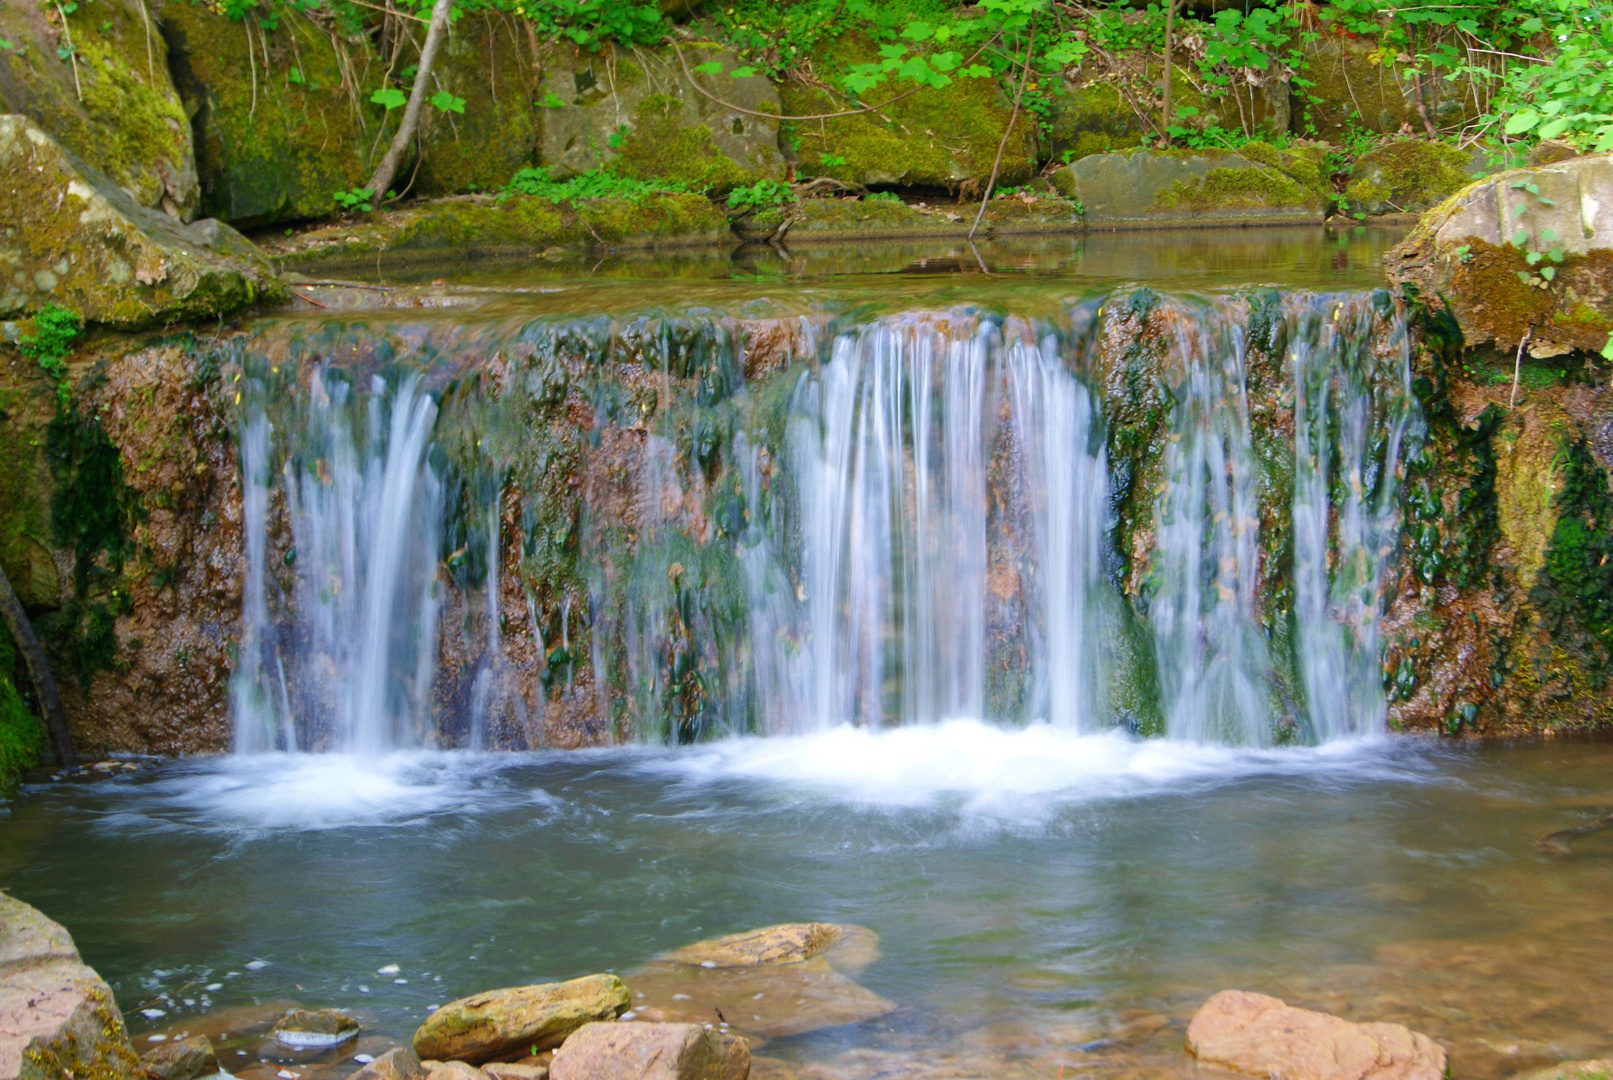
{"type": "Point", "coordinates": [1043, 899]}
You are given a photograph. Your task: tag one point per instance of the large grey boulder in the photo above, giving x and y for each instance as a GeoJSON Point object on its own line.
{"type": "Point", "coordinates": [639, 108]}
{"type": "Point", "coordinates": [58, 1020]}
{"type": "Point", "coordinates": [116, 108]}
{"type": "Point", "coordinates": [500, 1022]}
{"type": "Point", "coordinates": [651, 1052]}
{"type": "Point", "coordinates": [1488, 251]}
{"type": "Point", "coordinates": [1262, 1036]}
{"type": "Point", "coordinates": [71, 237]}
{"type": "Point", "coordinates": [1256, 186]}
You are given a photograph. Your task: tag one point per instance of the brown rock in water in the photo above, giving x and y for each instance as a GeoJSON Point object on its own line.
{"type": "Point", "coordinates": [502, 1023]}
{"type": "Point", "coordinates": [651, 1052]}
{"type": "Point", "coordinates": [1262, 1036]}
{"type": "Point", "coordinates": [58, 1020]}
{"type": "Point", "coordinates": [400, 1063]}
{"type": "Point", "coordinates": [768, 1000]}
{"type": "Point", "coordinates": [452, 1070]}
{"type": "Point", "coordinates": [786, 943]}
{"type": "Point", "coordinates": [515, 1070]}
{"type": "Point", "coordinates": [190, 1058]}
{"type": "Point", "coordinates": [315, 1027]}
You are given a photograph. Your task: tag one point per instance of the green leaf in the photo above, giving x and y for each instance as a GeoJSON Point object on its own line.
{"type": "Point", "coordinates": [295, 76]}
{"type": "Point", "coordinates": [711, 67]}
{"type": "Point", "coordinates": [1520, 238]}
{"type": "Point", "coordinates": [1548, 272]}
{"type": "Point", "coordinates": [1555, 254]}
{"type": "Point", "coordinates": [1523, 276]}
{"type": "Point", "coordinates": [1521, 123]}
{"type": "Point", "coordinates": [1547, 235]}
{"type": "Point", "coordinates": [1553, 128]}
{"type": "Point", "coordinates": [388, 97]}
{"type": "Point", "coordinates": [552, 100]}
{"type": "Point", "coordinates": [1533, 189]}
{"type": "Point", "coordinates": [742, 73]}
{"type": "Point", "coordinates": [1533, 258]}
{"type": "Point", "coordinates": [1607, 350]}
{"type": "Point", "coordinates": [447, 102]}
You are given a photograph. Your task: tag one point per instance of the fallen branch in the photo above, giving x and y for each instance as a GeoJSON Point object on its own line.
{"type": "Point", "coordinates": [1013, 117]}
{"type": "Point", "coordinates": [388, 168]}
{"type": "Point", "coordinates": [1558, 841]}
{"type": "Point", "coordinates": [50, 703]}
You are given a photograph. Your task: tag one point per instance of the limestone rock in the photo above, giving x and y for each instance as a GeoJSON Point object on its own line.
{"type": "Point", "coordinates": [786, 943]}
{"type": "Point", "coordinates": [72, 237]}
{"type": "Point", "coordinates": [1262, 1036]}
{"type": "Point", "coordinates": [1258, 185]}
{"type": "Point", "coordinates": [1352, 89]}
{"type": "Point", "coordinates": [315, 1027]}
{"type": "Point", "coordinates": [500, 1022]}
{"type": "Point", "coordinates": [1407, 176]}
{"type": "Point", "coordinates": [1473, 251]}
{"type": "Point", "coordinates": [452, 1070]}
{"type": "Point", "coordinates": [190, 1058]}
{"type": "Point", "coordinates": [515, 1070]}
{"type": "Point", "coordinates": [651, 1052]}
{"type": "Point", "coordinates": [1093, 115]}
{"type": "Point", "coordinates": [117, 108]}
{"type": "Point", "coordinates": [57, 1018]}
{"type": "Point", "coordinates": [639, 110]}
{"type": "Point", "coordinates": [400, 1063]}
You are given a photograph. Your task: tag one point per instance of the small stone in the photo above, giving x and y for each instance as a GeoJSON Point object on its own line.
{"type": "Point", "coordinates": [453, 1070]}
{"type": "Point", "coordinates": [651, 1052]}
{"type": "Point", "coordinates": [303, 1028]}
{"type": "Point", "coordinates": [390, 969]}
{"type": "Point", "coordinates": [1262, 1036]}
{"type": "Point", "coordinates": [400, 1063]}
{"type": "Point", "coordinates": [182, 1058]}
{"type": "Point", "coordinates": [499, 1023]}
{"type": "Point", "coordinates": [511, 1070]}
{"type": "Point", "coordinates": [786, 943]}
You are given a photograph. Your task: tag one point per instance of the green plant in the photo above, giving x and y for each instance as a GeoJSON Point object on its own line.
{"type": "Point", "coordinates": [21, 737]}
{"type": "Point", "coordinates": [1542, 264]}
{"type": "Point", "coordinates": [882, 196]}
{"type": "Point", "coordinates": [56, 330]}
{"type": "Point", "coordinates": [596, 184]}
{"type": "Point", "coordinates": [594, 24]}
{"type": "Point", "coordinates": [762, 195]}
{"type": "Point", "coordinates": [355, 199]}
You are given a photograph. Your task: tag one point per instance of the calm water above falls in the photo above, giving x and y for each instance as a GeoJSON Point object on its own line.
{"type": "Point", "coordinates": [1043, 899]}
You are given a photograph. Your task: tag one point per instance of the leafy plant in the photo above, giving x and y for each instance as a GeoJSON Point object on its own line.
{"type": "Point", "coordinates": [56, 329]}
{"type": "Point", "coordinates": [594, 24]}
{"type": "Point", "coordinates": [596, 184]}
{"type": "Point", "coordinates": [355, 199]}
{"type": "Point", "coordinates": [762, 195]}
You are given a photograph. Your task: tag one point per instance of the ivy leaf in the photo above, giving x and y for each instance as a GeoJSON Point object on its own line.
{"type": "Point", "coordinates": [388, 97]}
{"type": "Point", "coordinates": [448, 102]}
{"type": "Point", "coordinates": [918, 30]}
{"type": "Point", "coordinates": [710, 67]}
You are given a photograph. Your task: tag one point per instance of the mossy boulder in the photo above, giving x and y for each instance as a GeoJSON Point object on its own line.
{"type": "Point", "coordinates": [116, 108]}
{"type": "Point", "coordinates": [946, 137]}
{"type": "Point", "coordinates": [487, 62]}
{"type": "Point", "coordinates": [1091, 113]}
{"type": "Point", "coordinates": [1473, 251]}
{"type": "Point", "coordinates": [73, 238]}
{"type": "Point", "coordinates": [271, 147]}
{"type": "Point", "coordinates": [1356, 86]}
{"type": "Point", "coordinates": [1256, 185]}
{"type": "Point", "coordinates": [1407, 176]}
{"type": "Point", "coordinates": [638, 112]}
{"type": "Point", "coordinates": [496, 1023]}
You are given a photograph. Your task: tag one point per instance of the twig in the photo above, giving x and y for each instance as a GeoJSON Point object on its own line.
{"type": "Point", "coordinates": [72, 52]}
{"type": "Point", "coordinates": [53, 719]}
{"type": "Point", "coordinates": [310, 299]}
{"type": "Point", "coordinates": [1013, 116]}
{"type": "Point", "coordinates": [252, 68]}
{"type": "Point", "coordinates": [1517, 367]}
{"type": "Point", "coordinates": [151, 67]}
{"type": "Point", "coordinates": [1558, 841]}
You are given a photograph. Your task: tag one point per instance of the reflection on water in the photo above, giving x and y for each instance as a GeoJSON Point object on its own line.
{"type": "Point", "coordinates": [1343, 257]}
{"type": "Point", "coordinates": [1045, 900]}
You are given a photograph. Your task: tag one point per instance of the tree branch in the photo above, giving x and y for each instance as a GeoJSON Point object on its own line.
{"type": "Point", "coordinates": [1013, 116]}
{"type": "Point", "coordinates": [50, 703]}
{"type": "Point", "coordinates": [388, 168]}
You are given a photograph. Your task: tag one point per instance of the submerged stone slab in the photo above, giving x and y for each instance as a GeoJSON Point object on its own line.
{"type": "Point", "coordinates": [786, 943]}
{"type": "Point", "coordinates": [507, 1022]}
{"type": "Point", "coordinates": [769, 1000]}
{"type": "Point", "coordinates": [1263, 1036]}
{"type": "Point", "coordinates": [73, 238]}
{"type": "Point", "coordinates": [651, 1052]}
{"type": "Point", "coordinates": [58, 1020]}
{"type": "Point", "coordinates": [190, 1058]}
{"type": "Point", "coordinates": [304, 1028]}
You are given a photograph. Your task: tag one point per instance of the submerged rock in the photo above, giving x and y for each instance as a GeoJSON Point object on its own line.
{"type": "Point", "coordinates": [451, 1070]}
{"type": "Point", "coordinates": [1262, 1036]}
{"type": "Point", "coordinates": [75, 239]}
{"type": "Point", "coordinates": [515, 1070]}
{"type": "Point", "coordinates": [303, 1028]}
{"type": "Point", "coordinates": [651, 1052]}
{"type": "Point", "coordinates": [401, 1063]}
{"type": "Point", "coordinates": [58, 1020]}
{"type": "Point", "coordinates": [786, 943]}
{"type": "Point", "coordinates": [1257, 185]}
{"type": "Point", "coordinates": [504, 1022]}
{"type": "Point", "coordinates": [190, 1058]}
{"type": "Point", "coordinates": [1488, 252]}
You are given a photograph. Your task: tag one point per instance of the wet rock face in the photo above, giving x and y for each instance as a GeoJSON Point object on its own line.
{"type": "Point", "coordinates": [640, 110]}
{"type": "Point", "coordinates": [1161, 190]}
{"type": "Point", "coordinates": [1408, 176]}
{"type": "Point", "coordinates": [401, 1063]}
{"type": "Point", "coordinates": [116, 109]}
{"type": "Point", "coordinates": [1525, 255]}
{"type": "Point", "coordinates": [503, 1023]}
{"type": "Point", "coordinates": [58, 1020]}
{"type": "Point", "coordinates": [1261, 1036]}
{"type": "Point", "coordinates": [787, 943]}
{"type": "Point", "coordinates": [73, 238]}
{"type": "Point", "coordinates": [315, 1027]}
{"type": "Point", "coordinates": [651, 1052]}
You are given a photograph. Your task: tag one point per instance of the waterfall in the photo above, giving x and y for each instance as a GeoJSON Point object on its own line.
{"type": "Point", "coordinates": [1176, 515]}
{"type": "Point", "coordinates": [355, 652]}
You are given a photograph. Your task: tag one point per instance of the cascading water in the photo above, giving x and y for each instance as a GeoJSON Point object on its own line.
{"type": "Point", "coordinates": [1175, 516]}
{"type": "Point", "coordinates": [350, 662]}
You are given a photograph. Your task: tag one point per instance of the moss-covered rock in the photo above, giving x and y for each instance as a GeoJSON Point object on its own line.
{"type": "Point", "coordinates": [1255, 185]}
{"type": "Point", "coordinates": [1407, 176]}
{"type": "Point", "coordinates": [945, 137]}
{"type": "Point", "coordinates": [73, 238]}
{"type": "Point", "coordinates": [1486, 251]}
{"type": "Point", "coordinates": [487, 62]}
{"type": "Point", "coordinates": [116, 107]}
{"type": "Point", "coordinates": [1357, 86]}
{"type": "Point", "coordinates": [270, 147]}
{"type": "Point", "coordinates": [639, 112]}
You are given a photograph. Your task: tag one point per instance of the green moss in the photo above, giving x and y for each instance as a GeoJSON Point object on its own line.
{"type": "Point", "coordinates": [1574, 590]}
{"type": "Point", "coordinates": [1407, 175]}
{"type": "Point", "coordinates": [659, 147]}
{"type": "Point", "coordinates": [1253, 188]}
{"type": "Point", "coordinates": [497, 133]}
{"type": "Point", "coordinates": [937, 137]}
{"type": "Point", "coordinates": [21, 739]}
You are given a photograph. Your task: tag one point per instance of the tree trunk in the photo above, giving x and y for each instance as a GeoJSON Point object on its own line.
{"type": "Point", "coordinates": [388, 168]}
{"type": "Point", "coordinates": [22, 631]}
{"type": "Point", "coordinates": [1165, 105]}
